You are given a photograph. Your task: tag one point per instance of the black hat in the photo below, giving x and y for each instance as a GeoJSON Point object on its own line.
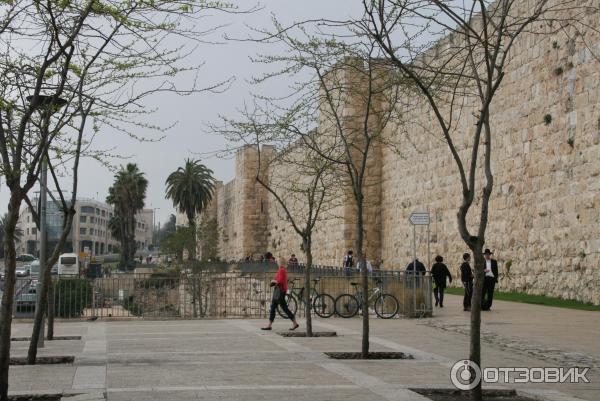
{"type": "Point", "coordinates": [466, 256]}
{"type": "Point", "coordinates": [439, 259]}
{"type": "Point", "coordinates": [488, 252]}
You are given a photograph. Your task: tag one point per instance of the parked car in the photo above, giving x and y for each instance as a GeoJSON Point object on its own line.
{"type": "Point", "coordinates": [25, 303]}
{"type": "Point", "coordinates": [23, 271]}
{"type": "Point", "coordinates": [25, 257]}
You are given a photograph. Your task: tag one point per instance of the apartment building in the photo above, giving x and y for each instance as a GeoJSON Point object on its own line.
{"type": "Point", "coordinates": [89, 232]}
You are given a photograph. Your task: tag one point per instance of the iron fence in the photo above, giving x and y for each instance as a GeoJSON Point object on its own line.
{"type": "Point", "coordinates": [210, 294]}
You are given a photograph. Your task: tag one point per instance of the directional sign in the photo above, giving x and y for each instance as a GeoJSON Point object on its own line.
{"type": "Point", "coordinates": [419, 218]}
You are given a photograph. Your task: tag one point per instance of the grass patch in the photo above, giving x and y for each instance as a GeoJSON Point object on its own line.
{"type": "Point", "coordinates": [534, 299]}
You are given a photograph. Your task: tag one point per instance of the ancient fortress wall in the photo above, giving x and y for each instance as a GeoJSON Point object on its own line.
{"type": "Point", "coordinates": [545, 208]}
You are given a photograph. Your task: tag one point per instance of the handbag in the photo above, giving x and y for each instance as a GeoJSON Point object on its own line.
{"type": "Point", "coordinates": [277, 294]}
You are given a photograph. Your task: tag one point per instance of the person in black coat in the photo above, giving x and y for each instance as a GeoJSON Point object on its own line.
{"type": "Point", "coordinates": [439, 271]}
{"type": "Point", "coordinates": [420, 267]}
{"type": "Point", "coordinates": [466, 276]}
{"type": "Point", "coordinates": [490, 280]}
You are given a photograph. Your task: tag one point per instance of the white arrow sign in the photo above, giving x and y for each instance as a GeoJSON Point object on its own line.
{"type": "Point", "coordinates": [419, 218]}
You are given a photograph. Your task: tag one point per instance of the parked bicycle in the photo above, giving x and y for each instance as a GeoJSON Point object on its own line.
{"type": "Point", "coordinates": [386, 305]}
{"type": "Point", "coordinates": [322, 304]}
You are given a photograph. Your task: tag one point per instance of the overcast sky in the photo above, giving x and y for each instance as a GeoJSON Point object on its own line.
{"type": "Point", "coordinates": [190, 137]}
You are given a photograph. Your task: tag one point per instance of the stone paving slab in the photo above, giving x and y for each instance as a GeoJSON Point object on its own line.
{"type": "Point", "coordinates": [306, 393]}
{"type": "Point", "coordinates": [225, 374]}
{"type": "Point", "coordinates": [41, 377]}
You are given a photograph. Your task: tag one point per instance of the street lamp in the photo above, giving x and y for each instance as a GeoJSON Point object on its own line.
{"type": "Point", "coordinates": [50, 105]}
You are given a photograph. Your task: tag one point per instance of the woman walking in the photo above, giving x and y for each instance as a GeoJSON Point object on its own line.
{"type": "Point", "coordinates": [280, 284]}
{"type": "Point", "coordinates": [439, 271]}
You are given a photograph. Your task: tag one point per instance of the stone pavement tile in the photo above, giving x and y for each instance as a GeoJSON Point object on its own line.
{"type": "Point", "coordinates": [172, 326]}
{"type": "Point", "coordinates": [405, 372]}
{"type": "Point", "coordinates": [89, 377]}
{"type": "Point", "coordinates": [176, 344]}
{"type": "Point", "coordinates": [201, 357]}
{"type": "Point", "coordinates": [92, 396]}
{"type": "Point", "coordinates": [59, 347]}
{"type": "Point", "coordinates": [259, 373]}
{"type": "Point", "coordinates": [41, 377]}
{"type": "Point", "coordinates": [61, 328]}
{"type": "Point", "coordinates": [350, 393]}
{"type": "Point", "coordinates": [335, 344]}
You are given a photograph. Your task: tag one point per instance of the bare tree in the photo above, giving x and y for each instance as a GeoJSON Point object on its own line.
{"type": "Point", "coordinates": [95, 59]}
{"type": "Point", "coordinates": [306, 200]}
{"type": "Point", "coordinates": [348, 101]}
{"type": "Point", "coordinates": [67, 208]}
{"type": "Point", "coordinates": [456, 54]}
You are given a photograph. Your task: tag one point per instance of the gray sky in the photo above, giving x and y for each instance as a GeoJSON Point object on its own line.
{"type": "Point", "coordinates": [189, 136]}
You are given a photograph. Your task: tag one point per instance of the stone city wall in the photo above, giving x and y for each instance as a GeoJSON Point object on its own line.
{"type": "Point", "coordinates": [544, 211]}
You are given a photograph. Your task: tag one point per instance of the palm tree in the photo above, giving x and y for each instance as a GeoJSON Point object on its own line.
{"type": "Point", "coordinates": [191, 188]}
{"type": "Point", "coordinates": [127, 195]}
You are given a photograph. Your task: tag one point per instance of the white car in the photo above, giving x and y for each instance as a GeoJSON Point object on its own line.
{"type": "Point", "coordinates": [23, 271]}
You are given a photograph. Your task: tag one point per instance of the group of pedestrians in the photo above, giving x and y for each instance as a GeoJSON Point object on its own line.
{"type": "Point", "coordinates": [440, 272]}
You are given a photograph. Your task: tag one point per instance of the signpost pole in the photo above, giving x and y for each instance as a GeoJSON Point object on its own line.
{"type": "Point", "coordinates": [415, 268]}
{"type": "Point", "coordinates": [43, 238]}
{"type": "Point", "coordinates": [418, 219]}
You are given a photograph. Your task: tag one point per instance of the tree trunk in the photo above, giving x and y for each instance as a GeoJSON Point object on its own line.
{"type": "Point", "coordinates": [307, 286]}
{"type": "Point", "coordinates": [475, 344]}
{"type": "Point", "coordinates": [364, 280]}
{"type": "Point", "coordinates": [6, 309]}
{"type": "Point", "coordinates": [39, 313]}
{"type": "Point", "coordinates": [50, 335]}
{"type": "Point", "coordinates": [45, 283]}
{"type": "Point", "coordinates": [124, 243]}
{"type": "Point", "coordinates": [194, 308]}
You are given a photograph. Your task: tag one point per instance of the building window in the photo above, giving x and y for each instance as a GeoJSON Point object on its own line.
{"type": "Point", "coordinates": [28, 219]}
{"type": "Point", "coordinates": [82, 219]}
{"type": "Point", "coordinates": [103, 213]}
{"type": "Point", "coordinates": [92, 220]}
{"type": "Point", "coordinates": [33, 230]}
{"type": "Point", "coordinates": [82, 230]}
{"type": "Point", "coordinates": [87, 209]}
{"type": "Point", "coordinates": [98, 212]}
{"type": "Point", "coordinates": [27, 231]}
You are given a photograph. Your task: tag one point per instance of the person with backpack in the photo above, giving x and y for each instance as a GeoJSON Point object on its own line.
{"type": "Point", "coordinates": [466, 276]}
{"type": "Point", "coordinates": [280, 288]}
{"type": "Point", "coordinates": [439, 271]}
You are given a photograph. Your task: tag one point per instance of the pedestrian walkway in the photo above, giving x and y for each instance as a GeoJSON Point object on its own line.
{"type": "Point", "coordinates": [234, 360]}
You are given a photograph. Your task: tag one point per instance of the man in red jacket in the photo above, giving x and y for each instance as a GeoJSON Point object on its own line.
{"type": "Point", "coordinates": [280, 282]}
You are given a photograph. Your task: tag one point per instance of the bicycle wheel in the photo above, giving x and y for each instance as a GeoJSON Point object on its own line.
{"type": "Point", "coordinates": [324, 305]}
{"type": "Point", "coordinates": [346, 305]}
{"type": "Point", "coordinates": [292, 306]}
{"type": "Point", "coordinates": [386, 306]}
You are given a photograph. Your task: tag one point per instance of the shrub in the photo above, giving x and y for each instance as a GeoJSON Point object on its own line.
{"type": "Point", "coordinates": [72, 296]}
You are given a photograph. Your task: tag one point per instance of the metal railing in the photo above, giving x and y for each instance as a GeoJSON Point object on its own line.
{"type": "Point", "coordinates": [245, 293]}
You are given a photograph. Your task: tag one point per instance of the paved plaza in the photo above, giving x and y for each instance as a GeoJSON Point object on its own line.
{"type": "Point", "coordinates": [235, 360]}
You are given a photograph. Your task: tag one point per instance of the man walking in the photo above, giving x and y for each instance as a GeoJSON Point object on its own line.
{"type": "Point", "coordinates": [466, 276]}
{"type": "Point", "coordinates": [348, 263]}
{"type": "Point", "coordinates": [490, 280]}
